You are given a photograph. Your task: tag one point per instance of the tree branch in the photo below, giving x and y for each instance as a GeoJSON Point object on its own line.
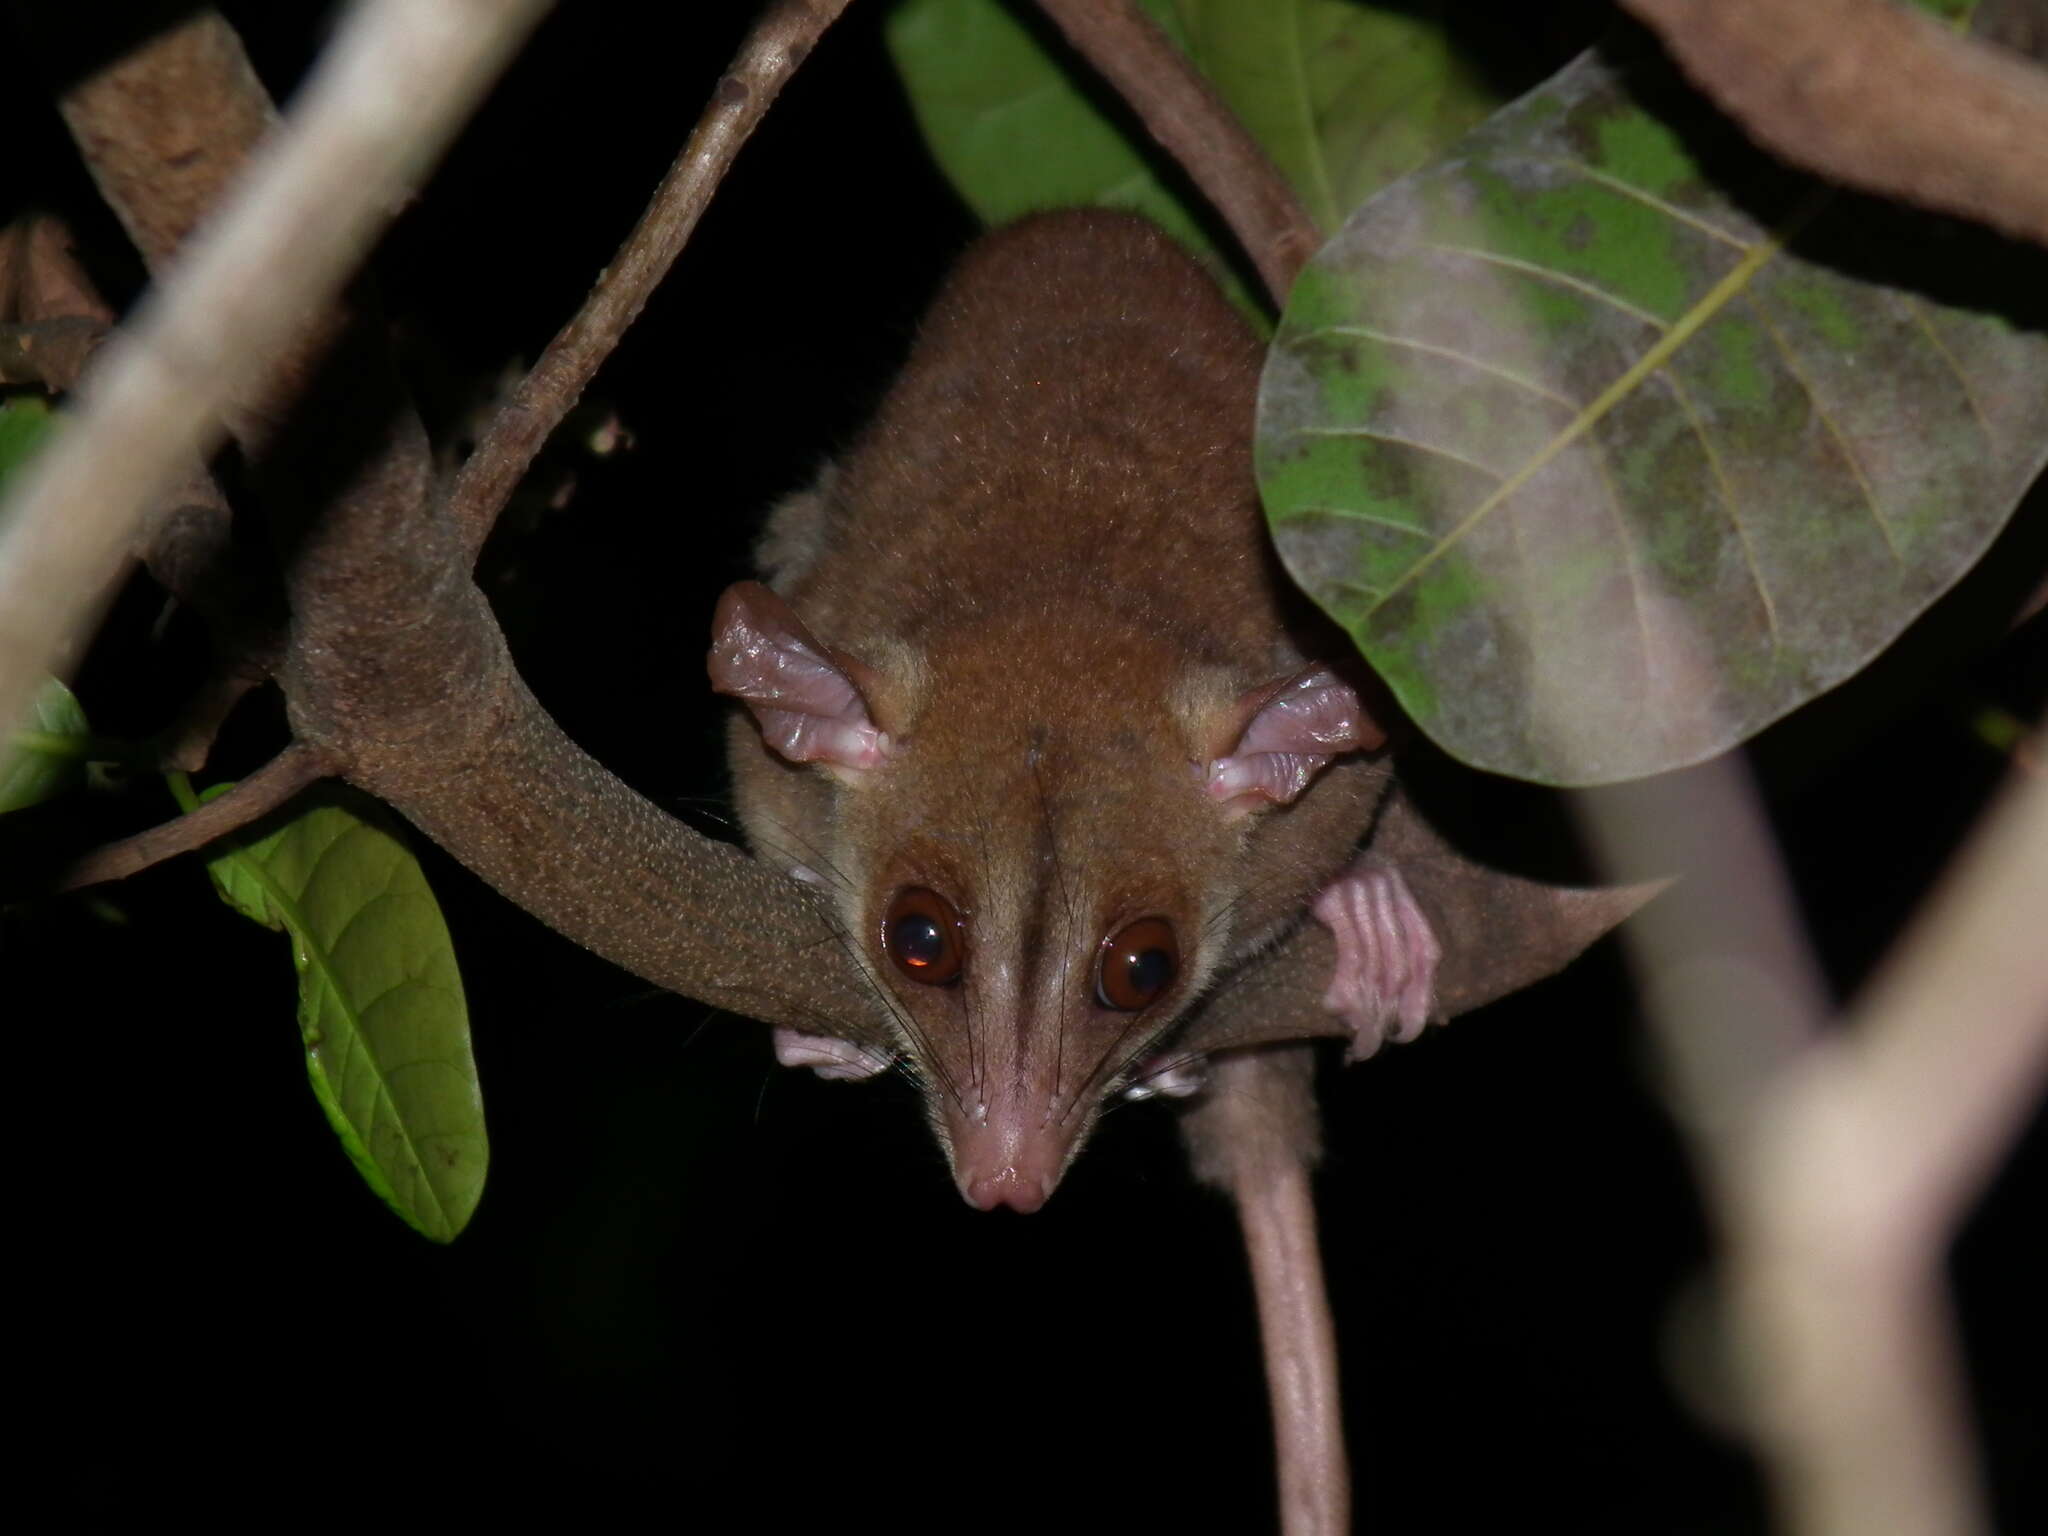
{"type": "Point", "coordinates": [262, 792]}
{"type": "Point", "coordinates": [186, 537]}
{"type": "Point", "coordinates": [1183, 112]}
{"type": "Point", "coordinates": [1873, 95]}
{"type": "Point", "coordinates": [1841, 1161]}
{"type": "Point", "coordinates": [166, 126]}
{"type": "Point", "coordinates": [778, 44]}
{"type": "Point", "coordinates": [385, 98]}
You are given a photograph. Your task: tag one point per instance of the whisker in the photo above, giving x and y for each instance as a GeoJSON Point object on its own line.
{"type": "Point", "coordinates": [905, 1021]}
{"type": "Point", "coordinates": [786, 844]}
{"type": "Point", "coordinates": [1102, 1072]}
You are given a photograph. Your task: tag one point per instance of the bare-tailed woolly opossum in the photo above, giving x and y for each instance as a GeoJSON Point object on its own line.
{"type": "Point", "coordinates": [1027, 692]}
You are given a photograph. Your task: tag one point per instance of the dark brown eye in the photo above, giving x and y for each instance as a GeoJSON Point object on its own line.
{"type": "Point", "coordinates": [1139, 962]}
{"type": "Point", "coordinates": [923, 935]}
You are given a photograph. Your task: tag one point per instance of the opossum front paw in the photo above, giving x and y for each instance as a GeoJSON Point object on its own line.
{"type": "Point", "coordinates": [840, 1060]}
{"type": "Point", "coordinates": [1384, 983]}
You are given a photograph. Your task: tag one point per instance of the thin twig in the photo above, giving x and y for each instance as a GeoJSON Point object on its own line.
{"type": "Point", "coordinates": [779, 43]}
{"type": "Point", "coordinates": [1183, 112]}
{"type": "Point", "coordinates": [1876, 96]}
{"type": "Point", "coordinates": [387, 95]}
{"type": "Point", "coordinates": [262, 792]}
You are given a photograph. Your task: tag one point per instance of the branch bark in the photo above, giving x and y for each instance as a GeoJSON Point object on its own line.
{"type": "Point", "coordinates": [293, 769]}
{"type": "Point", "coordinates": [1875, 96]}
{"type": "Point", "coordinates": [165, 127]}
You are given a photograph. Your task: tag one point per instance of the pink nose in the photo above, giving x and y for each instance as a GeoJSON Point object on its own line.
{"type": "Point", "coordinates": [1004, 1186]}
{"type": "Point", "coordinates": [1010, 1153]}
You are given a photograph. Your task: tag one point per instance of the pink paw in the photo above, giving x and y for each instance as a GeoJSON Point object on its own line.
{"type": "Point", "coordinates": [840, 1060]}
{"type": "Point", "coordinates": [1384, 984]}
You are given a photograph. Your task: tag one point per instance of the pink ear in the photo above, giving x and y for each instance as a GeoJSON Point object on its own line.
{"type": "Point", "coordinates": [1296, 727]}
{"type": "Point", "coordinates": [807, 707]}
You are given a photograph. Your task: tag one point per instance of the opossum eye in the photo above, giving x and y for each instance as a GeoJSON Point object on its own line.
{"type": "Point", "coordinates": [923, 935]}
{"type": "Point", "coordinates": [1138, 963]}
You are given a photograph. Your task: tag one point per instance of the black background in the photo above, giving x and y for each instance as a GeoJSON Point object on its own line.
{"type": "Point", "coordinates": [703, 1289]}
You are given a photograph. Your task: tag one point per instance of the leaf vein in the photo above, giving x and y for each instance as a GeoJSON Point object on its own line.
{"type": "Point", "coordinates": [1919, 314]}
{"type": "Point", "coordinates": [1726, 496]}
{"type": "Point", "coordinates": [1375, 435]}
{"type": "Point", "coordinates": [1710, 304]}
{"type": "Point", "coordinates": [1835, 433]}
{"type": "Point", "coordinates": [1648, 199]}
{"type": "Point", "coordinates": [1592, 291]}
{"type": "Point", "coordinates": [1346, 514]}
{"type": "Point", "coordinates": [1410, 343]}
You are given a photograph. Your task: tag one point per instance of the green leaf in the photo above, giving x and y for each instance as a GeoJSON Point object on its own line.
{"type": "Point", "coordinates": [1009, 128]}
{"type": "Point", "coordinates": [46, 755]}
{"type": "Point", "coordinates": [1600, 474]}
{"type": "Point", "coordinates": [1343, 96]}
{"type": "Point", "coordinates": [24, 422]}
{"type": "Point", "coordinates": [381, 1009]}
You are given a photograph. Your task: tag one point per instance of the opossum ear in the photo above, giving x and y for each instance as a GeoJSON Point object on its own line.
{"type": "Point", "coordinates": [804, 697]}
{"type": "Point", "coordinates": [1293, 726]}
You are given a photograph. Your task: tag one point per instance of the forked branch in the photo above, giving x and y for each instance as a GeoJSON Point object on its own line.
{"type": "Point", "coordinates": [780, 42]}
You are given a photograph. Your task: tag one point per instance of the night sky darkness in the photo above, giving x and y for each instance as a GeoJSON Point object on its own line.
{"type": "Point", "coordinates": [706, 1286]}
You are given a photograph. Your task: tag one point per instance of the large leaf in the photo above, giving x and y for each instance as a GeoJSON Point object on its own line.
{"type": "Point", "coordinates": [1601, 475]}
{"type": "Point", "coordinates": [381, 1009]}
{"type": "Point", "coordinates": [1342, 96]}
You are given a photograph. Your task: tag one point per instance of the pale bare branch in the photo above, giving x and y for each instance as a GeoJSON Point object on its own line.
{"type": "Point", "coordinates": [398, 81]}
{"type": "Point", "coordinates": [1842, 1161]}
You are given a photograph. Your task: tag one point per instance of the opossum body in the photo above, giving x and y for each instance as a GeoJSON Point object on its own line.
{"type": "Point", "coordinates": [1026, 691]}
